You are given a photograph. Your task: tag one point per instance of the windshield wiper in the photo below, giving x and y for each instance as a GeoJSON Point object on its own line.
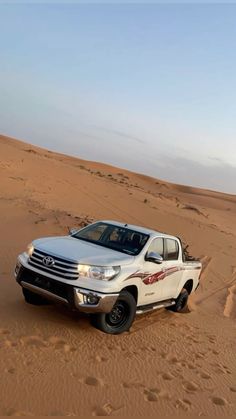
{"type": "Point", "coordinates": [128, 251]}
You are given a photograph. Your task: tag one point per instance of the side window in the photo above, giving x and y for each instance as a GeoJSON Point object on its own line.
{"type": "Point", "coordinates": [172, 249]}
{"type": "Point", "coordinates": [157, 246]}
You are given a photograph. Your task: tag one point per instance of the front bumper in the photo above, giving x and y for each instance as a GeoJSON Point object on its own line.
{"type": "Point", "coordinates": [85, 300]}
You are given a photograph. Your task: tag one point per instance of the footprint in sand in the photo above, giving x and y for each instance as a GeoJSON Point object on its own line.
{"type": "Point", "coordinates": [215, 352]}
{"type": "Point", "coordinates": [99, 358]}
{"type": "Point", "coordinates": [199, 355]}
{"type": "Point", "coordinates": [183, 404]}
{"type": "Point", "coordinates": [27, 363]}
{"type": "Point", "coordinates": [60, 344]}
{"type": "Point", "coordinates": [191, 366]}
{"type": "Point", "coordinates": [205, 375]}
{"type": "Point", "coordinates": [10, 370]}
{"type": "Point", "coordinates": [178, 373]}
{"type": "Point", "coordinates": [212, 340]}
{"type": "Point", "coordinates": [89, 381]}
{"type": "Point", "coordinates": [219, 401]}
{"type": "Point", "coordinates": [190, 387]}
{"type": "Point", "coordinates": [163, 355]}
{"type": "Point", "coordinates": [173, 360]}
{"type": "Point", "coordinates": [35, 341]}
{"type": "Point", "coordinates": [168, 376]}
{"type": "Point", "coordinates": [106, 410]}
{"type": "Point", "coordinates": [151, 395]}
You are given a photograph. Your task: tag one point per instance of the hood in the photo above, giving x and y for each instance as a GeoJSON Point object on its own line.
{"type": "Point", "coordinates": [83, 252]}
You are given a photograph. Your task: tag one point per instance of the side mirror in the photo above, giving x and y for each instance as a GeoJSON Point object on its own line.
{"type": "Point", "coordinates": [73, 231]}
{"type": "Point", "coordinates": [154, 257]}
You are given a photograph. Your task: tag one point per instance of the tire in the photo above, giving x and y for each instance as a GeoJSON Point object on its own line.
{"type": "Point", "coordinates": [120, 318]}
{"type": "Point", "coordinates": [180, 302]}
{"type": "Point", "coordinates": [32, 298]}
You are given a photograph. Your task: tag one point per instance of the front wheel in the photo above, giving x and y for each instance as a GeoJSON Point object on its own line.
{"type": "Point", "coordinates": [121, 316]}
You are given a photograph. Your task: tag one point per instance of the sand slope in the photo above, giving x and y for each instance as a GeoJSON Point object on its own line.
{"type": "Point", "coordinates": [52, 361]}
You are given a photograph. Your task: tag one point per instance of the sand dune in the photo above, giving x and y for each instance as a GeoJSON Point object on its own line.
{"type": "Point", "coordinates": [52, 361]}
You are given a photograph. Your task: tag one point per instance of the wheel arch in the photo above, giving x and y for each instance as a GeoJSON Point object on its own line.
{"type": "Point", "coordinates": [133, 290]}
{"type": "Point", "coordinates": [189, 285]}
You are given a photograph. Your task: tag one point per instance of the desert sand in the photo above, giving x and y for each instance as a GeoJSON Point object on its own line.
{"type": "Point", "coordinates": [53, 362]}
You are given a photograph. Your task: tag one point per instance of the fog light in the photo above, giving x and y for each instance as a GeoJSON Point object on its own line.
{"type": "Point", "coordinates": [91, 299]}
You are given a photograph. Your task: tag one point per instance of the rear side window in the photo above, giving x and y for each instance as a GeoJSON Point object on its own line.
{"type": "Point", "coordinates": [172, 249]}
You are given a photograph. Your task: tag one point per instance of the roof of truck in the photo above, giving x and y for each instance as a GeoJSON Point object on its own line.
{"type": "Point", "coordinates": [138, 228]}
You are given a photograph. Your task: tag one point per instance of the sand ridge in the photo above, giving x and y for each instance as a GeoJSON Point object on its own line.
{"type": "Point", "coordinates": [167, 363]}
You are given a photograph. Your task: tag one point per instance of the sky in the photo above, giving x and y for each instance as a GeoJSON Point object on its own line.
{"type": "Point", "coordinates": [148, 86]}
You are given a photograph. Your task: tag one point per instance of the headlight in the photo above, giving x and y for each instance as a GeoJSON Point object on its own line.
{"type": "Point", "coordinates": [30, 249]}
{"type": "Point", "coordinates": [98, 272]}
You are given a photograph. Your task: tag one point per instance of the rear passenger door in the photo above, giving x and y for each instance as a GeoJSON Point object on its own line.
{"type": "Point", "coordinates": [172, 268]}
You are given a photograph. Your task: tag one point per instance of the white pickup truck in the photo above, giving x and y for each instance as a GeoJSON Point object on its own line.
{"type": "Point", "coordinates": [108, 269]}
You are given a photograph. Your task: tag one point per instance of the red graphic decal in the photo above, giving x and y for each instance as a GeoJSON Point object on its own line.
{"type": "Point", "coordinates": [159, 276]}
{"type": "Point", "coordinates": [149, 278]}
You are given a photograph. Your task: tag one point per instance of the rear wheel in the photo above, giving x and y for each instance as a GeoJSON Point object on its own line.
{"type": "Point", "coordinates": [180, 302]}
{"type": "Point", "coordinates": [121, 316]}
{"type": "Point", "coordinates": [32, 298]}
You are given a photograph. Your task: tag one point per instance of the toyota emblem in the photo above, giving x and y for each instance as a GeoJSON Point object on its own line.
{"type": "Point", "coordinates": [48, 261]}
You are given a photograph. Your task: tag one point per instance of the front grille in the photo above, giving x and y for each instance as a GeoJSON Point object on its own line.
{"type": "Point", "coordinates": [62, 268]}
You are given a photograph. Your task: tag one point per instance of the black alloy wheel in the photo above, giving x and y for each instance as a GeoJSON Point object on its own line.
{"type": "Point", "coordinates": [120, 317]}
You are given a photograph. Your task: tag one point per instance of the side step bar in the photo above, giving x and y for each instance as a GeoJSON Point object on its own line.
{"type": "Point", "coordinates": [155, 306]}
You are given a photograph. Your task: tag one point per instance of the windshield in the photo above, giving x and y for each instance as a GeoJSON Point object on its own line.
{"type": "Point", "coordinates": [114, 237]}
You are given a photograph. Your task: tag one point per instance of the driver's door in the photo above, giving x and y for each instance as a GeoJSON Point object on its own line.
{"type": "Point", "coordinates": [153, 275]}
